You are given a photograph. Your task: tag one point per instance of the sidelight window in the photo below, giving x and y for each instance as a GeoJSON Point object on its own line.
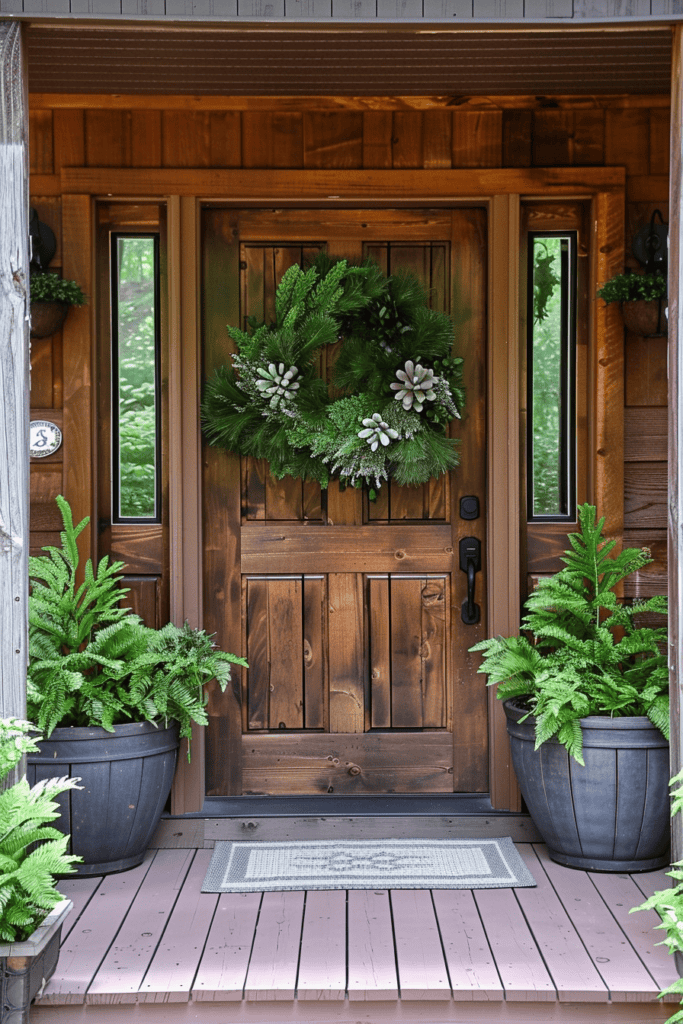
{"type": "Point", "coordinates": [551, 377]}
{"type": "Point", "coordinates": [136, 412]}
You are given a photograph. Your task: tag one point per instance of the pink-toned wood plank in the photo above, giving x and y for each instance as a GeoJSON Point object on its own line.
{"type": "Point", "coordinates": [171, 973]}
{"type": "Point", "coordinates": [469, 959]}
{"type": "Point", "coordinates": [371, 956]}
{"type": "Point", "coordinates": [518, 959]}
{"type": "Point", "coordinates": [576, 978]}
{"type": "Point", "coordinates": [92, 935]}
{"type": "Point", "coordinates": [611, 952]}
{"type": "Point", "coordinates": [422, 972]}
{"type": "Point", "coordinates": [275, 954]}
{"type": "Point", "coordinates": [123, 968]}
{"type": "Point", "coordinates": [223, 967]}
{"type": "Point", "coordinates": [322, 962]}
{"type": "Point", "coordinates": [621, 893]}
{"type": "Point", "coordinates": [80, 891]}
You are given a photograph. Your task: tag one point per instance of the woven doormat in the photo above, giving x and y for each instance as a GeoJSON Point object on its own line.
{"type": "Point", "coordinates": [366, 864]}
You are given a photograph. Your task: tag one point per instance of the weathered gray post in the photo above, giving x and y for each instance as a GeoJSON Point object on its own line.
{"type": "Point", "coordinates": [14, 374]}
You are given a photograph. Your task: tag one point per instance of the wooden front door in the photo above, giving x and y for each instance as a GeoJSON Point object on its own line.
{"type": "Point", "coordinates": [349, 611]}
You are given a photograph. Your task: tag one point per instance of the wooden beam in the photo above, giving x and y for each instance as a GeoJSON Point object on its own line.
{"type": "Point", "coordinates": [77, 260]}
{"type": "Point", "coordinates": [134, 101]}
{"type": "Point", "coordinates": [676, 425]}
{"type": "Point", "coordinates": [357, 186]}
{"type": "Point", "coordinates": [14, 374]}
{"type": "Point", "coordinates": [185, 501]}
{"type": "Point", "coordinates": [504, 497]}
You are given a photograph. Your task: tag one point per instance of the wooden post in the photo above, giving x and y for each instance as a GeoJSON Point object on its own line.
{"type": "Point", "coordinates": [676, 423]}
{"type": "Point", "coordinates": [14, 375]}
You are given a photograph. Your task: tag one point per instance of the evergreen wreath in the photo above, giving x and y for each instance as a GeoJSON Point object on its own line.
{"type": "Point", "coordinates": [394, 389]}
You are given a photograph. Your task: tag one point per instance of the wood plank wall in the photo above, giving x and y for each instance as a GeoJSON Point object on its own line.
{"type": "Point", "coordinates": [131, 132]}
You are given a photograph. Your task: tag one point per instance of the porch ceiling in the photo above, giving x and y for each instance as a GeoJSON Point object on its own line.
{"type": "Point", "coordinates": [348, 61]}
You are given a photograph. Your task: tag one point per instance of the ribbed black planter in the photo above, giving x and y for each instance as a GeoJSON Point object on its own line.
{"type": "Point", "coordinates": [126, 778]}
{"type": "Point", "coordinates": [612, 814]}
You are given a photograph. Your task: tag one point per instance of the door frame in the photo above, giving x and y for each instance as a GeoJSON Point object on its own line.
{"type": "Point", "coordinates": [501, 191]}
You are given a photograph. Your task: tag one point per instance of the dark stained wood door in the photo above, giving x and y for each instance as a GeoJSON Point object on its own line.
{"type": "Point", "coordinates": [348, 611]}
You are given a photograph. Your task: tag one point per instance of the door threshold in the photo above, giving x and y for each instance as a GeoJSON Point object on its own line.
{"type": "Point", "coordinates": [394, 805]}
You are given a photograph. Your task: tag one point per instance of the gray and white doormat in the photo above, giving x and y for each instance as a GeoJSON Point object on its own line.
{"type": "Point", "coordinates": [366, 864]}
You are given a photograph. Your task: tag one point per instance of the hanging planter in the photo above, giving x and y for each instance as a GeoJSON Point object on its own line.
{"type": "Point", "coordinates": [47, 318]}
{"type": "Point", "coordinates": [642, 300]}
{"type": "Point", "coordinates": [646, 317]}
{"type": "Point", "coordinates": [51, 299]}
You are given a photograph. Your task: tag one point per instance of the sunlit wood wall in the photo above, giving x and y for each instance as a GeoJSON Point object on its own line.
{"type": "Point", "coordinates": [148, 132]}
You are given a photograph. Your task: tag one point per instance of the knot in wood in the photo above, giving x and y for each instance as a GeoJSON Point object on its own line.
{"type": "Point", "coordinates": [399, 554]}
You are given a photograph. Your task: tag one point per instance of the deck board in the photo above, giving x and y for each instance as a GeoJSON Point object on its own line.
{"type": "Point", "coordinates": [174, 965]}
{"type": "Point", "coordinates": [576, 978]}
{"type": "Point", "coordinates": [121, 973]}
{"type": "Point", "coordinates": [322, 960]}
{"type": "Point", "coordinates": [617, 962]}
{"type": "Point", "coordinates": [148, 946]}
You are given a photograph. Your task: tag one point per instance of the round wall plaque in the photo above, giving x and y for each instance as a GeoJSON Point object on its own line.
{"type": "Point", "coordinates": [44, 438]}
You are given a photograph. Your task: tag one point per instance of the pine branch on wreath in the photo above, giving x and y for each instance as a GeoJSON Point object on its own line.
{"type": "Point", "coordinates": [395, 384]}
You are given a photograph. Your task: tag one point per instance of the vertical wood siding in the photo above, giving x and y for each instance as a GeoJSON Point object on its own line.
{"type": "Point", "coordinates": [631, 135]}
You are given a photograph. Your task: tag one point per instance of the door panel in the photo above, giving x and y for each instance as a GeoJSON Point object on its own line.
{"type": "Point", "coordinates": [347, 610]}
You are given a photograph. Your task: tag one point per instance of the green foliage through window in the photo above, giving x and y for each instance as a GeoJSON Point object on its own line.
{"type": "Point", "coordinates": [135, 376]}
{"type": "Point", "coordinates": [551, 437]}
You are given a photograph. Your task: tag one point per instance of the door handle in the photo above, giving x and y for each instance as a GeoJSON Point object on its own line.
{"type": "Point", "coordinates": [470, 563]}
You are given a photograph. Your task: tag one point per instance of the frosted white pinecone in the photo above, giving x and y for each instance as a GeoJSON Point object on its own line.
{"type": "Point", "coordinates": [416, 386]}
{"type": "Point", "coordinates": [278, 383]}
{"type": "Point", "coordinates": [377, 432]}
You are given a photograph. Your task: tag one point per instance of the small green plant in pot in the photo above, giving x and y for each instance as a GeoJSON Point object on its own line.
{"type": "Point", "coordinates": [642, 299]}
{"type": "Point", "coordinates": [51, 298]}
{"type": "Point", "coordinates": [102, 685]}
{"type": "Point", "coordinates": [32, 854]}
{"type": "Point", "coordinates": [585, 682]}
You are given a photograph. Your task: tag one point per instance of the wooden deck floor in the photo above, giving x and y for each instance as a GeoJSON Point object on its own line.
{"type": "Point", "coordinates": [146, 945]}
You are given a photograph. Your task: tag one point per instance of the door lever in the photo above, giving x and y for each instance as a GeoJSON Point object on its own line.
{"type": "Point", "coordinates": [470, 563]}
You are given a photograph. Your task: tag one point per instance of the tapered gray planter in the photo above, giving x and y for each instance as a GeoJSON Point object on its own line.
{"type": "Point", "coordinates": [612, 814]}
{"type": "Point", "coordinates": [25, 967]}
{"type": "Point", "coordinates": [126, 778]}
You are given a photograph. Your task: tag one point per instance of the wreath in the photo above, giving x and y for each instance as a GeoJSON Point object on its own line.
{"type": "Point", "coordinates": [394, 384]}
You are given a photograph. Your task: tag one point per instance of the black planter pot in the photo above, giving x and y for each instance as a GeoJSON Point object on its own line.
{"type": "Point", "coordinates": [612, 814]}
{"type": "Point", "coordinates": [126, 778]}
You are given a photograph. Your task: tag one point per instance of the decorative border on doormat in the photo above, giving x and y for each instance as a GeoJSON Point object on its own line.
{"type": "Point", "coordinates": [366, 864]}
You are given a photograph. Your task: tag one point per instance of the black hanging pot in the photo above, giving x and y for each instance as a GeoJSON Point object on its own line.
{"type": "Point", "coordinates": [611, 814]}
{"type": "Point", "coordinates": [47, 318]}
{"type": "Point", "coordinates": [126, 778]}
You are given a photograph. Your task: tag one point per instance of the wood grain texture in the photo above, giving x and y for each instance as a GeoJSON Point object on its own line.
{"type": "Point", "coordinates": [347, 661]}
{"type": "Point", "coordinates": [645, 434]}
{"type": "Point", "coordinates": [275, 952]}
{"type": "Point", "coordinates": [225, 959]}
{"type": "Point", "coordinates": [521, 967]}
{"type": "Point", "coordinates": [422, 972]}
{"type": "Point", "coordinates": [322, 958]}
{"type": "Point", "coordinates": [477, 138]}
{"type": "Point", "coordinates": [645, 495]}
{"type": "Point", "coordinates": [78, 456]}
{"type": "Point", "coordinates": [281, 763]}
{"type": "Point", "coordinates": [469, 959]}
{"type": "Point", "coordinates": [371, 958]}
{"type": "Point", "coordinates": [342, 183]}
{"type": "Point", "coordinates": [173, 966]}
{"type": "Point", "coordinates": [645, 371]}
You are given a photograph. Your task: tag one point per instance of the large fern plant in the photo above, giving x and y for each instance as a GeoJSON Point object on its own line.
{"type": "Point", "coordinates": [94, 663]}
{"type": "Point", "coordinates": [584, 654]}
{"type": "Point", "coordinates": [31, 851]}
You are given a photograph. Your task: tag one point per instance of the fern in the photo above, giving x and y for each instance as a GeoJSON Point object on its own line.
{"type": "Point", "coordinates": [582, 653]}
{"type": "Point", "coordinates": [94, 663]}
{"type": "Point", "coordinates": [32, 853]}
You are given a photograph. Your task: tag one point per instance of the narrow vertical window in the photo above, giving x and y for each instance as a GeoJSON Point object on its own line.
{"type": "Point", "coordinates": [551, 377]}
{"type": "Point", "coordinates": [136, 413]}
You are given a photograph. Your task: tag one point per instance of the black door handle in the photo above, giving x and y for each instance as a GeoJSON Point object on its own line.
{"type": "Point", "coordinates": [470, 563]}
